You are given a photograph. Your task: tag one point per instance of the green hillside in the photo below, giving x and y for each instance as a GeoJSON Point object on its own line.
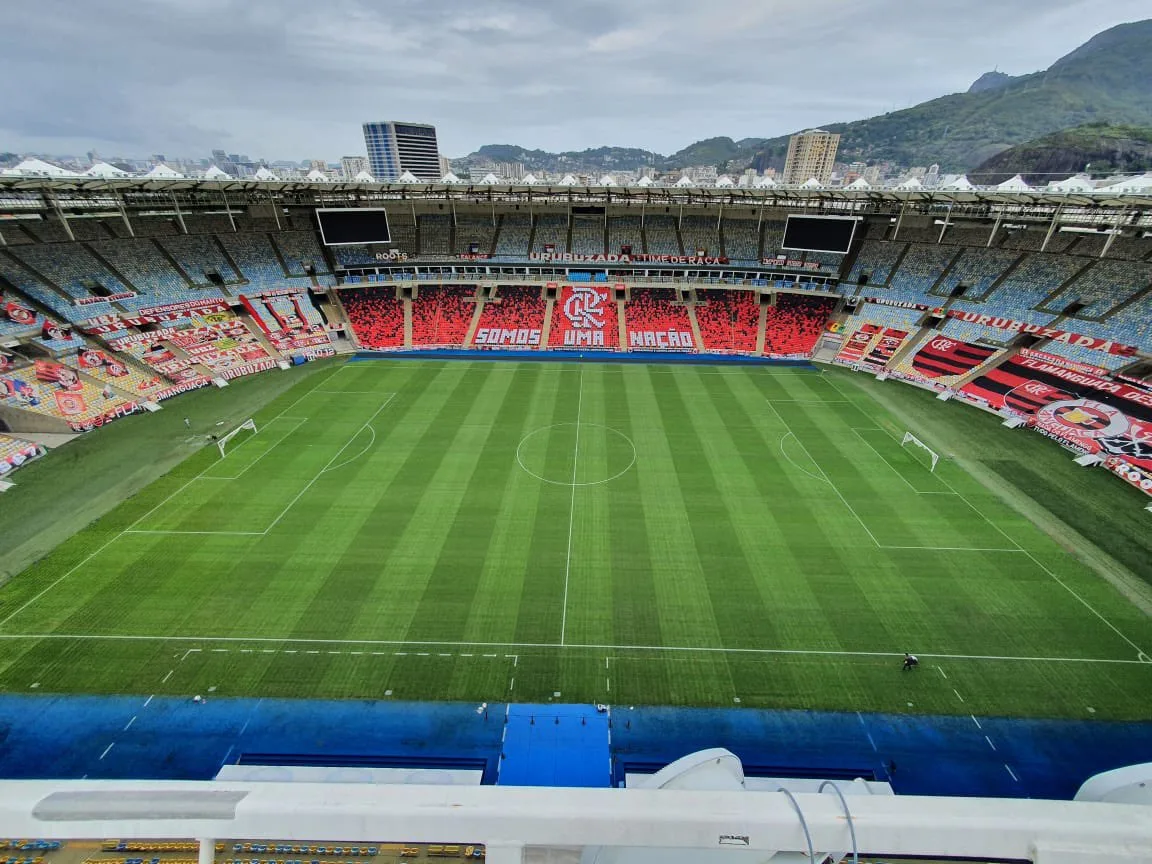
{"type": "Point", "coordinates": [1098, 148]}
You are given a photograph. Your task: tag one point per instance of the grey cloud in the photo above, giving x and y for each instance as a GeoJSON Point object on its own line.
{"type": "Point", "coordinates": [295, 79]}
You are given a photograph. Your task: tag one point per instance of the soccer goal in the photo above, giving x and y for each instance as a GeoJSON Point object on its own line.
{"type": "Point", "coordinates": [909, 438]}
{"type": "Point", "coordinates": [248, 424]}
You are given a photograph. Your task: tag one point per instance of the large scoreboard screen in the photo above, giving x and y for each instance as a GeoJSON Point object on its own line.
{"type": "Point", "coordinates": [341, 226]}
{"type": "Point", "coordinates": [820, 233]}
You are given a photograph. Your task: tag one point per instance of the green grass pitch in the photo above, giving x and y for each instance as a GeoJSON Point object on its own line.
{"type": "Point", "coordinates": [684, 535]}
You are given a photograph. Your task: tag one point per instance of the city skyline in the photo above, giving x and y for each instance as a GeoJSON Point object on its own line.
{"type": "Point", "coordinates": [656, 75]}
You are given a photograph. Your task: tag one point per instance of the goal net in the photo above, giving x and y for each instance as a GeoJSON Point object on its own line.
{"type": "Point", "coordinates": [916, 443]}
{"type": "Point", "coordinates": [247, 426]}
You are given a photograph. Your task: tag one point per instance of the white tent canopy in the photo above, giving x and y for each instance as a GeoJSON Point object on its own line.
{"type": "Point", "coordinates": [163, 172]}
{"type": "Point", "coordinates": [529, 180]}
{"type": "Point", "coordinates": [683, 182]}
{"type": "Point", "coordinates": [724, 182]}
{"type": "Point", "coordinates": [607, 180]}
{"type": "Point", "coordinates": [317, 176]}
{"type": "Point", "coordinates": [407, 177]}
{"type": "Point", "coordinates": [215, 173]}
{"type": "Point", "coordinates": [959, 184]}
{"type": "Point", "coordinates": [39, 168]}
{"type": "Point", "coordinates": [1079, 183]}
{"type": "Point", "coordinates": [1143, 183]}
{"type": "Point", "coordinates": [811, 183]}
{"type": "Point", "coordinates": [764, 183]}
{"type": "Point", "coordinates": [103, 169]}
{"type": "Point", "coordinates": [489, 179]}
{"type": "Point", "coordinates": [858, 184]}
{"type": "Point", "coordinates": [910, 185]}
{"type": "Point", "coordinates": [644, 181]}
{"type": "Point", "coordinates": [262, 173]}
{"type": "Point", "coordinates": [1015, 184]}
{"type": "Point", "coordinates": [365, 177]}
{"type": "Point", "coordinates": [450, 178]}
{"type": "Point", "coordinates": [568, 180]}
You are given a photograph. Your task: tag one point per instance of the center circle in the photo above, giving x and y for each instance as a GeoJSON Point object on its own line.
{"type": "Point", "coordinates": [576, 454]}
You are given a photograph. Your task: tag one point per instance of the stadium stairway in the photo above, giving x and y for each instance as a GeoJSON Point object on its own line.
{"type": "Point", "coordinates": [622, 345]}
{"type": "Point", "coordinates": [407, 302]}
{"type": "Point", "coordinates": [474, 324]}
{"type": "Point", "coordinates": [697, 339]}
{"type": "Point", "coordinates": [761, 330]}
{"type": "Point", "coordinates": [547, 328]}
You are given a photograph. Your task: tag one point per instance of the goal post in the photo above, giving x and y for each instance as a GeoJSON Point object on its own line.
{"type": "Point", "coordinates": [909, 438]}
{"type": "Point", "coordinates": [222, 444]}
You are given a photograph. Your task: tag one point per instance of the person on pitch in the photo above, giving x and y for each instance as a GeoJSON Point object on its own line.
{"type": "Point", "coordinates": [910, 662]}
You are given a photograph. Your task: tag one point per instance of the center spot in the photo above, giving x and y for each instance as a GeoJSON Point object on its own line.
{"type": "Point", "coordinates": [576, 454]}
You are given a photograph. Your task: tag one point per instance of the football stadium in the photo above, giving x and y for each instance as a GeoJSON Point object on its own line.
{"type": "Point", "coordinates": [574, 522]}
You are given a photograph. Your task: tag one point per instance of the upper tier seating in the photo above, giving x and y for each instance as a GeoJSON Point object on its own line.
{"type": "Point", "coordinates": [254, 255]}
{"type": "Point", "coordinates": [376, 315]}
{"type": "Point", "coordinates": [403, 235]}
{"type": "Point", "coordinates": [208, 223]}
{"type": "Point", "coordinates": [1131, 248]}
{"type": "Point", "coordinates": [480, 230]}
{"type": "Point", "coordinates": [1031, 239]}
{"type": "Point", "coordinates": [773, 237]}
{"type": "Point", "coordinates": [1025, 288]}
{"type": "Point", "coordinates": [728, 320]}
{"type": "Point", "coordinates": [71, 266]}
{"type": "Point", "coordinates": [887, 316]}
{"type": "Point", "coordinates": [919, 269]}
{"type": "Point", "coordinates": [1089, 356]}
{"type": "Point", "coordinates": [661, 234]}
{"type": "Point", "coordinates": [551, 229]}
{"type": "Point", "coordinates": [587, 235]}
{"type": "Point", "coordinates": [977, 269]}
{"type": "Point", "coordinates": [356, 256]}
{"type": "Point", "coordinates": [741, 239]}
{"type": "Point", "coordinates": [653, 323]}
{"type": "Point", "coordinates": [700, 234]}
{"type": "Point", "coordinates": [515, 230]}
{"type": "Point", "coordinates": [435, 235]}
{"type": "Point", "coordinates": [441, 316]}
{"type": "Point", "coordinates": [144, 265]}
{"type": "Point", "coordinates": [299, 248]}
{"type": "Point", "coordinates": [514, 320]}
{"type": "Point", "coordinates": [197, 255]}
{"type": "Point", "coordinates": [876, 260]}
{"type": "Point", "coordinates": [624, 231]}
{"type": "Point", "coordinates": [972, 332]}
{"type": "Point", "coordinates": [1103, 287]}
{"type": "Point", "coordinates": [795, 323]}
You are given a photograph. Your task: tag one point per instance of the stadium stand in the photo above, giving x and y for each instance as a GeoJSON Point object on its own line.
{"type": "Point", "coordinates": [47, 231]}
{"type": "Point", "coordinates": [1136, 248]}
{"type": "Point", "coordinates": [585, 316]}
{"type": "Point", "coordinates": [795, 323]}
{"type": "Point", "coordinates": [441, 315]}
{"type": "Point", "coordinates": [587, 235]}
{"type": "Point", "coordinates": [773, 237]}
{"type": "Point", "coordinates": [435, 230]}
{"type": "Point", "coordinates": [624, 231]}
{"type": "Point", "coordinates": [1089, 245]}
{"type": "Point", "coordinates": [1024, 289]}
{"type": "Point", "coordinates": [741, 240]}
{"type": "Point", "coordinates": [969, 331]}
{"type": "Point", "coordinates": [403, 235]}
{"type": "Point", "coordinates": [355, 255]}
{"type": "Point", "coordinates": [661, 234]}
{"type": "Point", "coordinates": [977, 270]}
{"type": "Point", "coordinates": [887, 316]}
{"type": "Point", "coordinates": [300, 248]}
{"type": "Point", "coordinates": [1031, 239]}
{"type": "Point", "coordinates": [15, 452]}
{"type": "Point", "coordinates": [514, 320]}
{"type": "Point", "coordinates": [121, 373]}
{"type": "Point", "coordinates": [515, 231]}
{"type": "Point", "coordinates": [207, 223]}
{"type": "Point", "coordinates": [652, 322]}
{"type": "Point", "coordinates": [43, 389]}
{"type": "Point", "coordinates": [1102, 287]}
{"type": "Point", "coordinates": [1087, 356]}
{"type": "Point", "coordinates": [88, 229]}
{"type": "Point", "coordinates": [875, 262]}
{"type": "Point", "coordinates": [474, 231]}
{"type": "Point", "coordinates": [254, 255]}
{"type": "Point", "coordinates": [198, 255]}
{"type": "Point", "coordinates": [700, 234]}
{"type": "Point", "coordinates": [920, 268]}
{"type": "Point", "coordinates": [551, 230]}
{"type": "Point", "coordinates": [728, 320]}
{"type": "Point", "coordinates": [144, 265]}
{"type": "Point", "coordinates": [71, 266]}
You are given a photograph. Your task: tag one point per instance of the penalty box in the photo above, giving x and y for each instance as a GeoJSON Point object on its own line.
{"type": "Point", "coordinates": [251, 488]}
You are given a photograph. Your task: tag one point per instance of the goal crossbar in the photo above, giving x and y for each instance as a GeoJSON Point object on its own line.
{"type": "Point", "coordinates": [224, 439]}
{"type": "Point", "coordinates": [909, 438]}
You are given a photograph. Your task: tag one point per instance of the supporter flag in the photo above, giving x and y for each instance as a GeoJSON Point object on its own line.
{"type": "Point", "coordinates": [52, 330]}
{"type": "Point", "coordinates": [70, 404]}
{"type": "Point", "coordinates": [58, 373]}
{"type": "Point", "coordinates": [943, 356]}
{"type": "Point", "coordinates": [19, 314]}
{"type": "Point", "coordinates": [91, 359]}
{"type": "Point", "coordinates": [15, 388]}
{"type": "Point", "coordinates": [5, 362]}
{"type": "Point", "coordinates": [1030, 397]}
{"type": "Point", "coordinates": [115, 368]}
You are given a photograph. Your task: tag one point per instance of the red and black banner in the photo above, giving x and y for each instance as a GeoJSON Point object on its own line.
{"type": "Point", "coordinates": [19, 313]}
{"type": "Point", "coordinates": [889, 343]}
{"type": "Point", "coordinates": [52, 330]}
{"type": "Point", "coordinates": [57, 373]}
{"type": "Point", "coordinates": [857, 344]}
{"type": "Point", "coordinates": [90, 359]}
{"type": "Point", "coordinates": [943, 356]}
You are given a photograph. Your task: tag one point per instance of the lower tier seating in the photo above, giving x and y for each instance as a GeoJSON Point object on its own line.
{"type": "Point", "coordinates": [795, 323]}
{"type": "Point", "coordinates": [441, 316]}
{"type": "Point", "coordinates": [377, 317]}
{"type": "Point", "coordinates": [728, 320]}
{"type": "Point", "coordinates": [653, 323]}
{"type": "Point", "coordinates": [515, 319]}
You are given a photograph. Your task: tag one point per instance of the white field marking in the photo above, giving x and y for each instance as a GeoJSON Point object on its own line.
{"type": "Point", "coordinates": [300, 494]}
{"type": "Point", "coordinates": [164, 680]}
{"type": "Point", "coordinates": [959, 549]}
{"type": "Point", "coordinates": [511, 685]}
{"type": "Point", "coordinates": [552, 645]}
{"type": "Point", "coordinates": [206, 533]}
{"type": "Point", "coordinates": [811, 401]}
{"type": "Point", "coordinates": [283, 438]}
{"type": "Point", "coordinates": [957, 692]}
{"type": "Point", "coordinates": [531, 473]}
{"type": "Point", "coordinates": [974, 720]}
{"type": "Point", "coordinates": [798, 466]}
{"type": "Point", "coordinates": [572, 506]}
{"type": "Point", "coordinates": [148, 701]}
{"type": "Point", "coordinates": [128, 725]}
{"type": "Point", "coordinates": [351, 392]}
{"type": "Point", "coordinates": [825, 475]}
{"type": "Point", "coordinates": [106, 749]}
{"type": "Point", "coordinates": [146, 515]}
{"type": "Point", "coordinates": [989, 740]}
{"type": "Point", "coordinates": [190, 651]}
{"type": "Point", "coordinates": [893, 467]}
{"type": "Point", "coordinates": [351, 459]}
{"type": "Point", "coordinates": [1010, 773]}
{"type": "Point", "coordinates": [872, 742]}
{"type": "Point", "coordinates": [941, 671]}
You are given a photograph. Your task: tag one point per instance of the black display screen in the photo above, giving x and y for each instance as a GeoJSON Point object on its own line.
{"type": "Point", "coordinates": [339, 227]}
{"type": "Point", "coordinates": [819, 233]}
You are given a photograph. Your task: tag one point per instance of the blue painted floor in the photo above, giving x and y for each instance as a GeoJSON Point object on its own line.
{"type": "Point", "coordinates": [164, 738]}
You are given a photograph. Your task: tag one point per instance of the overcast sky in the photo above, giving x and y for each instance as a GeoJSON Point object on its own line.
{"type": "Point", "coordinates": [294, 79]}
